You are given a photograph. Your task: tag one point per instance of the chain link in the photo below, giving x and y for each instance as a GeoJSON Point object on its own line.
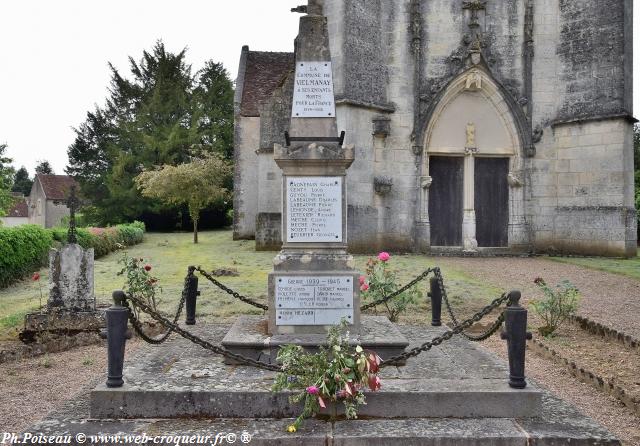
{"type": "Point", "coordinates": [137, 326]}
{"type": "Point", "coordinates": [380, 301]}
{"type": "Point", "coordinates": [458, 329]}
{"type": "Point", "coordinates": [174, 327]}
{"type": "Point", "coordinates": [228, 290]}
{"type": "Point", "coordinates": [475, 338]}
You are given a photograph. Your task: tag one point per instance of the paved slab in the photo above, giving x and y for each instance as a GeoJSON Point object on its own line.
{"type": "Point", "coordinates": [180, 379]}
{"type": "Point", "coordinates": [558, 424]}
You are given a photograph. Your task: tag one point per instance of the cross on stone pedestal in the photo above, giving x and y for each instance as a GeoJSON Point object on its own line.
{"type": "Point", "coordinates": [73, 202]}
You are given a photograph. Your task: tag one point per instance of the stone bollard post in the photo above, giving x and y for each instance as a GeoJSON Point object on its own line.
{"type": "Point", "coordinates": [117, 334]}
{"type": "Point", "coordinates": [516, 335]}
{"type": "Point", "coordinates": [192, 296]}
{"type": "Point", "coordinates": [436, 302]}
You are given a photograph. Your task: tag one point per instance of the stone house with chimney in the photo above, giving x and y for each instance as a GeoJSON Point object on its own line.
{"type": "Point", "coordinates": [497, 126]}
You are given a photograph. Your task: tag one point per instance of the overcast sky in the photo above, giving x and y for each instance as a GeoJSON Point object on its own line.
{"type": "Point", "coordinates": [54, 54]}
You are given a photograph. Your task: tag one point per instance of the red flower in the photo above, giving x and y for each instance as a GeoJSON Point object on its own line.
{"type": "Point", "coordinates": [362, 280]}
{"type": "Point", "coordinates": [35, 277]}
{"type": "Point", "coordinates": [374, 383]}
{"type": "Point", "coordinates": [364, 287]}
{"type": "Point", "coordinates": [147, 267]}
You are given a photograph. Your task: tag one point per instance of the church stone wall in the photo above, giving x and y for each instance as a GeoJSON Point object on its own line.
{"type": "Point", "coordinates": [245, 203]}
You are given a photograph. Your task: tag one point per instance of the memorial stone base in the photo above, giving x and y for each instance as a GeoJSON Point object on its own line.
{"type": "Point", "coordinates": [455, 394]}
{"type": "Point", "coordinates": [249, 337]}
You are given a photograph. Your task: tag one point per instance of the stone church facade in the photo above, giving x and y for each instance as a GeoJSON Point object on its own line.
{"type": "Point", "coordinates": [500, 126]}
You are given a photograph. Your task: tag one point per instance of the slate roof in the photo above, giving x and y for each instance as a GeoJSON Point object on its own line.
{"type": "Point", "coordinates": [264, 73]}
{"type": "Point", "coordinates": [56, 187]}
{"type": "Point", "coordinates": [19, 208]}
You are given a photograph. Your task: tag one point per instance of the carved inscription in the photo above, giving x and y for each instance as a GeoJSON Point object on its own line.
{"type": "Point", "coordinates": [314, 209]}
{"type": "Point", "coordinates": [313, 300]}
{"type": "Point", "coordinates": [313, 91]}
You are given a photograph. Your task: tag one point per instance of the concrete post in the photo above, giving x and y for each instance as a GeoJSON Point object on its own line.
{"type": "Point", "coordinates": [436, 302]}
{"type": "Point", "coordinates": [516, 335]}
{"type": "Point", "coordinates": [192, 296]}
{"type": "Point", "coordinates": [117, 316]}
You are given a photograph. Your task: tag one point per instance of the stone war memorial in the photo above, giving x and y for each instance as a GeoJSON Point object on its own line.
{"type": "Point", "coordinates": [211, 383]}
{"type": "Point", "coordinates": [493, 126]}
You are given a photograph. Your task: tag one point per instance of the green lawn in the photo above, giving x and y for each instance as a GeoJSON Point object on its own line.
{"type": "Point", "coordinates": [171, 254]}
{"type": "Point", "coordinates": [624, 267]}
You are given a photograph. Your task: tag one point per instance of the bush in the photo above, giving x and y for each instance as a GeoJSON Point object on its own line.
{"type": "Point", "coordinates": [22, 250]}
{"type": "Point", "coordinates": [557, 306]}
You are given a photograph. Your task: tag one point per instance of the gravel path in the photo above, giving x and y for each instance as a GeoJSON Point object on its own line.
{"type": "Point", "coordinates": [610, 299]}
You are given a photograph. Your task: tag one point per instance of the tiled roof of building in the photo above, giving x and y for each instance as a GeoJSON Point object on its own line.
{"type": "Point", "coordinates": [264, 73]}
{"type": "Point", "coordinates": [56, 187]}
{"type": "Point", "coordinates": [19, 208]}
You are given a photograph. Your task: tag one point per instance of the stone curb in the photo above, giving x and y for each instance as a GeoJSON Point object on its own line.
{"type": "Point", "coordinates": [586, 376]}
{"type": "Point", "coordinates": [606, 332]}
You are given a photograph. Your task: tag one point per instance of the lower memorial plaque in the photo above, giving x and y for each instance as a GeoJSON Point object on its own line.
{"type": "Point", "coordinates": [313, 300]}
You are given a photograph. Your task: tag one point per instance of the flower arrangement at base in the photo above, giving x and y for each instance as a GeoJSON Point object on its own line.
{"type": "Point", "coordinates": [337, 373]}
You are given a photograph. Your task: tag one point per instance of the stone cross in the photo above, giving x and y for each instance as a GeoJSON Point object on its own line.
{"type": "Point", "coordinates": [72, 203]}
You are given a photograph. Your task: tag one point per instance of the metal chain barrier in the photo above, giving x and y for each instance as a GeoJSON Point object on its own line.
{"type": "Point", "coordinates": [475, 338]}
{"type": "Point", "coordinates": [418, 279]}
{"type": "Point", "coordinates": [458, 329]}
{"type": "Point", "coordinates": [174, 327]}
{"type": "Point", "coordinates": [228, 290]}
{"type": "Point", "coordinates": [137, 326]}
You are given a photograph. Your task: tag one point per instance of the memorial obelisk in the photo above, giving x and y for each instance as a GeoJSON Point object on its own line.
{"type": "Point", "coordinates": [313, 284]}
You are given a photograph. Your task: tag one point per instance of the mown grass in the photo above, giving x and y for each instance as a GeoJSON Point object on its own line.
{"type": "Point", "coordinates": [171, 254]}
{"type": "Point", "coordinates": [624, 267]}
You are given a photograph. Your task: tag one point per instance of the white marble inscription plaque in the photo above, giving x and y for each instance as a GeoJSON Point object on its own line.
{"type": "Point", "coordinates": [313, 91]}
{"type": "Point", "coordinates": [314, 209]}
{"type": "Point", "coordinates": [313, 300]}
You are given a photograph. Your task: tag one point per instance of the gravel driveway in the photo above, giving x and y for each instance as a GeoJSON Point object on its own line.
{"type": "Point", "coordinates": [610, 299]}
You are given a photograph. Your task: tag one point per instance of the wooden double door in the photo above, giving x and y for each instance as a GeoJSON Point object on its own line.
{"type": "Point", "coordinates": [491, 200]}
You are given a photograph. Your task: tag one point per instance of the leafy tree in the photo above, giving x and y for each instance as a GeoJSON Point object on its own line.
{"type": "Point", "coordinates": [22, 182]}
{"type": "Point", "coordinates": [162, 114]}
{"type": "Point", "coordinates": [196, 184]}
{"type": "Point", "coordinates": [44, 167]}
{"type": "Point", "coordinates": [6, 181]}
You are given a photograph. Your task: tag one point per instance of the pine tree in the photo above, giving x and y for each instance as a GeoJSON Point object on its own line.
{"type": "Point", "coordinates": [161, 114]}
{"type": "Point", "coordinates": [22, 182]}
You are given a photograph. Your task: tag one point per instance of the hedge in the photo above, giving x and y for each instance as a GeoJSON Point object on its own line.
{"type": "Point", "coordinates": [24, 249]}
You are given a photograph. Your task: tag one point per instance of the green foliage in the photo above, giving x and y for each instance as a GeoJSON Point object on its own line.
{"type": "Point", "coordinates": [139, 281]}
{"type": "Point", "coordinates": [196, 184]}
{"type": "Point", "coordinates": [339, 372]}
{"type": "Point", "coordinates": [6, 181]}
{"type": "Point", "coordinates": [22, 182]}
{"type": "Point", "coordinates": [162, 115]}
{"type": "Point", "coordinates": [104, 240]}
{"type": "Point", "coordinates": [22, 250]}
{"type": "Point", "coordinates": [44, 167]}
{"type": "Point", "coordinates": [556, 306]}
{"type": "Point", "coordinates": [382, 281]}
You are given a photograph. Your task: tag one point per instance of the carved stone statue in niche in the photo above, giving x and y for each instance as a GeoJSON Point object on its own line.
{"type": "Point", "coordinates": [471, 136]}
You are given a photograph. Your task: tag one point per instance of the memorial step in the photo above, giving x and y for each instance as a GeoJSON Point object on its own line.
{"type": "Point", "coordinates": [180, 379]}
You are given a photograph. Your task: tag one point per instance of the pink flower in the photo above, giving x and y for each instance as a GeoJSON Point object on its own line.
{"type": "Point", "coordinates": [364, 287]}
{"type": "Point", "coordinates": [374, 383]}
{"type": "Point", "coordinates": [35, 277]}
{"type": "Point", "coordinates": [384, 256]}
{"type": "Point", "coordinates": [362, 280]}
{"type": "Point", "coordinates": [147, 267]}
{"type": "Point", "coordinates": [312, 390]}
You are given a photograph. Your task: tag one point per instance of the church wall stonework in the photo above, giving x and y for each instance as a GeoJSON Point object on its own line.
{"type": "Point", "coordinates": [563, 75]}
{"type": "Point", "coordinates": [245, 180]}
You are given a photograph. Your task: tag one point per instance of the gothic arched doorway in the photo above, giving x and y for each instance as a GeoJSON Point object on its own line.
{"type": "Point", "coordinates": [471, 192]}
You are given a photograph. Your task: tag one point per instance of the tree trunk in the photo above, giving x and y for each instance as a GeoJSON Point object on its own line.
{"type": "Point", "coordinates": [195, 230]}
